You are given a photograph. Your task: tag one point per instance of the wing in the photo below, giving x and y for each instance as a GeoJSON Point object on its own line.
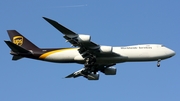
{"type": "Point", "coordinates": [85, 73]}
{"type": "Point", "coordinates": [80, 40]}
{"type": "Point", "coordinates": [76, 74]}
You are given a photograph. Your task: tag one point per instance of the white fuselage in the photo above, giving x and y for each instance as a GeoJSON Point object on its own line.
{"type": "Point", "coordinates": [145, 52]}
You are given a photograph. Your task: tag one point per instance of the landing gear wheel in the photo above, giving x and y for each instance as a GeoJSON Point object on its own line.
{"type": "Point", "coordinates": [158, 63]}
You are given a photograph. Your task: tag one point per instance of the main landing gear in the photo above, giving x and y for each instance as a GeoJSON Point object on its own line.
{"type": "Point", "coordinates": [158, 62]}
{"type": "Point", "coordinates": [89, 64]}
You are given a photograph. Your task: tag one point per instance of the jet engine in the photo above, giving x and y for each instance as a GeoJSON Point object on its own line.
{"type": "Point", "coordinates": [83, 38]}
{"type": "Point", "coordinates": [93, 76]}
{"type": "Point", "coordinates": [110, 71]}
{"type": "Point", "coordinates": [105, 49]}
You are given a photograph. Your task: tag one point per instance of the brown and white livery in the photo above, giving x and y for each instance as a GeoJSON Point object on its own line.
{"type": "Point", "coordinates": [94, 57]}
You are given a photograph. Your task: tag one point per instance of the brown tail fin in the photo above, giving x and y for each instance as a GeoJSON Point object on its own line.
{"type": "Point", "coordinates": [21, 41]}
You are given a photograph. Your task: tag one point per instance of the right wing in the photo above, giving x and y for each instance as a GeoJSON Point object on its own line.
{"type": "Point", "coordinates": [92, 74]}
{"type": "Point", "coordinates": [76, 74]}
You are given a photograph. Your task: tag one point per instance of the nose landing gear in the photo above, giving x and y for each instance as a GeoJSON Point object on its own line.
{"type": "Point", "coordinates": [158, 62]}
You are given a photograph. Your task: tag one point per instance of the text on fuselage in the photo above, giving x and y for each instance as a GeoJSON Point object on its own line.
{"type": "Point", "coordinates": [136, 47]}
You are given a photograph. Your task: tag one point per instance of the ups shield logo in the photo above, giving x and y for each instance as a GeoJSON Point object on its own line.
{"type": "Point", "coordinates": [18, 40]}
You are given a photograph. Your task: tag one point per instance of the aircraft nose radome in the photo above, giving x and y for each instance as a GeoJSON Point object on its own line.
{"type": "Point", "coordinates": [173, 53]}
{"type": "Point", "coordinates": [170, 52]}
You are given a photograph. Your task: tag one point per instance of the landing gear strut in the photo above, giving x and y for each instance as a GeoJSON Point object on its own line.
{"type": "Point", "coordinates": [158, 62]}
{"type": "Point", "coordinates": [90, 62]}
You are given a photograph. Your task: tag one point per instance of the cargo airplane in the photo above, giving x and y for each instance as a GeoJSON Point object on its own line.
{"type": "Point", "coordinates": [95, 57]}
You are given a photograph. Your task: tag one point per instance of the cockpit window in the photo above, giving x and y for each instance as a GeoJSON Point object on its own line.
{"type": "Point", "coordinates": [162, 45]}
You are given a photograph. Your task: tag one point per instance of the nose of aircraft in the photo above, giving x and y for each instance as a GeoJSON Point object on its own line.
{"type": "Point", "coordinates": [170, 52]}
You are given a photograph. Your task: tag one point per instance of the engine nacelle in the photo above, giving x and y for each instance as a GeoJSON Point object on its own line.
{"type": "Point", "coordinates": [93, 76]}
{"type": "Point", "coordinates": [105, 49]}
{"type": "Point", "coordinates": [110, 71]}
{"type": "Point", "coordinates": [84, 38]}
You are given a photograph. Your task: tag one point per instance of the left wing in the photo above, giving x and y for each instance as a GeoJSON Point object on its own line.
{"type": "Point", "coordinates": [80, 40]}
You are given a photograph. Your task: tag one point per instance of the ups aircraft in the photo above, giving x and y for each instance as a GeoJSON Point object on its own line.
{"type": "Point", "coordinates": [94, 57]}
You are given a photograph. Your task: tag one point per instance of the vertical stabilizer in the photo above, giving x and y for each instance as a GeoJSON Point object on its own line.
{"type": "Point", "coordinates": [21, 41]}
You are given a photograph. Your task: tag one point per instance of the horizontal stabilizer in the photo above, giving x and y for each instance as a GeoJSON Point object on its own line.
{"type": "Point", "coordinates": [16, 57]}
{"type": "Point", "coordinates": [15, 48]}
